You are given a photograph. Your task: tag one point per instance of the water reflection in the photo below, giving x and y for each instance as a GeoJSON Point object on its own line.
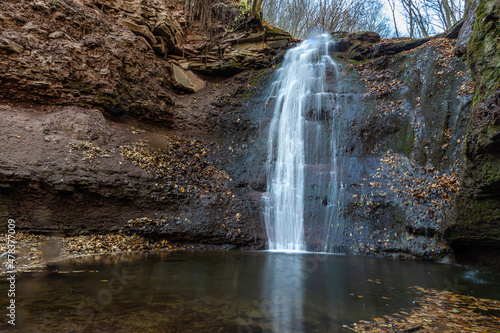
{"type": "Point", "coordinates": [229, 292]}
{"type": "Point", "coordinates": [283, 292]}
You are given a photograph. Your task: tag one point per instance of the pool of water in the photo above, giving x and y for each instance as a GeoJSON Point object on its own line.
{"type": "Point", "coordinates": [228, 292]}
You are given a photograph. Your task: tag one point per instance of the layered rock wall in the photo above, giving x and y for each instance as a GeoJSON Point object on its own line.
{"type": "Point", "coordinates": [478, 219]}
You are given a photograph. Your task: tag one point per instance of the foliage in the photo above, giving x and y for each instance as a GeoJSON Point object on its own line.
{"type": "Point", "coordinates": [438, 311]}
{"type": "Point", "coordinates": [89, 150]}
{"type": "Point", "coordinates": [180, 165]}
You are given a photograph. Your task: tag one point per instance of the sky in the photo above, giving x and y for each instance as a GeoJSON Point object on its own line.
{"type": "Point", "coordinates": [399, 19]}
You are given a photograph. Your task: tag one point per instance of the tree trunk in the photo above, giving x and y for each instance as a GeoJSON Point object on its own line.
{"type": "Point", "coordinates": [256, 8]}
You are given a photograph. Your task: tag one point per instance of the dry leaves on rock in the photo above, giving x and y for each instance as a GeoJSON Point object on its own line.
{"type": "Point", "coordinates": [89, 150]}
{"type": "Point", "coordinates": [180, 165]}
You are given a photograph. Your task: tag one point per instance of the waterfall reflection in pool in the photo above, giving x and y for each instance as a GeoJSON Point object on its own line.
{"type": "Point", "coordinates": [228, 292]}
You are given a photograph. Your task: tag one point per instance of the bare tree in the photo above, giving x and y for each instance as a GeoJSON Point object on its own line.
{"type": "Point", "coordinates": [448, 12]}
{"type": "Point", "coordinates": [423, 17]}
{"type": "Point", "coordinates": [431, 16]}
{"type": "Point", "coordinates": [392, 6]}
{"type": "Point", "coordinates": [301, 16]}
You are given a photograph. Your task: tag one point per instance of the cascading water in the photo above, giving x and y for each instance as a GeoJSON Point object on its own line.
{"type": "Point", "coordinates": [302, 148]}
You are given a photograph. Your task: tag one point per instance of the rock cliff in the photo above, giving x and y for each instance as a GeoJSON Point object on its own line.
{"type": "Point", "coordinates": [477, 233]}
{"type": "Point", "coordinates": [138, 117]}
{"type": "Point", "coordinates": [100, 132]}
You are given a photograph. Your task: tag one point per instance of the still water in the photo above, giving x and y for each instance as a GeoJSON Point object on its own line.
{"type": "Point", "coordinates": [228, 292]}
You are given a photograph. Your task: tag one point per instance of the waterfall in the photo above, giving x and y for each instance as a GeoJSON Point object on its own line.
{"type": "Point", "coordinates": [302, 147]}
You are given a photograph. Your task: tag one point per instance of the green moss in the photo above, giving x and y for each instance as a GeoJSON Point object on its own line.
{"type": "Point", "coordinates": [246, 95]}
{"type": "Point", "coordinates": [491, 171]}
{"type": "Point", "coordinates": [478, 219]}
{"type": "Point", "coordinates": [118, 191]}
{"type": "Point", "coordinates": [402, 141]}
{"type": "Point", "coordinates": [483, 52]}
{"type": "Point", "coordinates": [355, 62]}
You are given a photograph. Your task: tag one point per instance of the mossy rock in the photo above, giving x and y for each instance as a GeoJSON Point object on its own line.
{"type": "Point", "coordinates": [478, 219]}
{"type": "Point", "coordinates": [483, 50]}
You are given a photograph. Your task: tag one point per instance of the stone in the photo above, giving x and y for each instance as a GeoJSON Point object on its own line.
{"type": "Point", "coordinates": [275, 32]}
{"type": "Point", "coordinates": [145, 42]}
{"type": "Point", "coordinates": [129, 7]}
{"type": "Point", "coordinates": [140, 30]}
{"type": "Point", "coordinates": [278, 44]}
{"type": "Point", "coordinates": [454, 31]}
{"type": "Point", "coordinates": [160, 47]}
{"type": "Point", "coordinates": [169, 28]}
{"type": "Point", "coordinates": [369, 37]}
{"type": "Point", "coordinates": [104, 72]}
{"type": "Point", "coordinates": [10, 46]}
{"type": "Point", "coordinates": [56, 35]}
{"type": "Point", "coordinates": [186, 80]}
{"type": "Point", "coordinates": [340, 46]}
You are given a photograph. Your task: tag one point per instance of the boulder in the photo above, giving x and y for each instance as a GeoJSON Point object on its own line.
{"type": "Point", "coordinates": [340, 46]}
{"type": "Point", "coordinates": [168, 28]}
{"type": "Point", "coordinates": [368, 37]}
{"type": "Point", "coordinates": [160, 47]}
{"type": "Point", "coordinates": [186, 80]}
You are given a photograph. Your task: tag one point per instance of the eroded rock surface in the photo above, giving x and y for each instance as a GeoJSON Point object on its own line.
{"type": "Point", "coordinates": [477, 233]}
{"type": "Point", "coordinates": [70, 170]}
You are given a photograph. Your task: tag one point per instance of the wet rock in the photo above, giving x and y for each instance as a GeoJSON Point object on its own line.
{"type": "Point", "coordinates": [466, 30]}
{"type": "Point", "coordinates": [340, 46]}
{"type": "Point", "coordinates": [478, 204]}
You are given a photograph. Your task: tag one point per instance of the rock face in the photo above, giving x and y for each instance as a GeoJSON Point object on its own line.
{"type": "Point", "coordinates": [71, 54]}
{"type": "Point", "coordinates": [70, 68]}
{"type": "Point", "coordinates": [466, 30]}
{"type": "Point", "coordinates": [69, 170]}
{"type": "Point", "coordinates": [114, 55]}
{"type": "Point", "coordinates": [478, 217]}
{"type": "Point", "coordinates": [401, 130]}
{"type": "Point", "coordinates": [246, 51]}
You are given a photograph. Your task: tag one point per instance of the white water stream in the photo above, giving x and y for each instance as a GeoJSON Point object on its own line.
{"type": "Point", "coordinates": [302, 141]}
